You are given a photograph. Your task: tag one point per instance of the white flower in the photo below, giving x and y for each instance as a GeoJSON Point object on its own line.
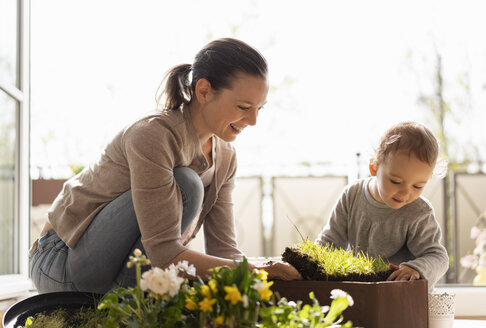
{"type": "Point", "coordinates": [292, 304]}
{"type": "Point", "coordinates": [258, 285]}
{"type": "Point", "coordinates": [482, 262]}
{"type": "Point", "coordinates": [469, 261]}
{"type": "Point", "coordinates": [325, 308]}
{"type": "Point", "coordinates": [187, 268]}
{"type": "Point", "coordinates": [166, 281]}
{"type": "Point", "coordinates": [159, 281]}
{"type": "Point", "coordinates": [174, 281]}
{"type": "Point", "coordinates": [350, 300]}
{"type": "Point", "coordinates": [475, 232]}
{"type": "Point", "coordinates": [244, 300]}
{"type": "Point", "coordinates": [478, 250]}
{"type": "Point", "coordinates": [172, 267]}
{"type": "Point", "coordinates": [146, 277]}
{"type": "Point", "coordinates": [335, 293]}
{"type": "Point", "coordinates": [143, 282]}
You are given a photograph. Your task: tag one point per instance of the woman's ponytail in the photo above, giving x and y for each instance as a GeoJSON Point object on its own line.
{"type": "Point", "coordinates": [218, 62]}
{"type": "Point", "coordinates": [177, 90]}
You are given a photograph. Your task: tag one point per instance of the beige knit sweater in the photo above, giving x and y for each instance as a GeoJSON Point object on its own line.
{"type": "Point", "coordinates": [141, 158]}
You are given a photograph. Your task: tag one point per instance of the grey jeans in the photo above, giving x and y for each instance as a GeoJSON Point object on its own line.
{"type": "Point", "coordinates": [98, 261]}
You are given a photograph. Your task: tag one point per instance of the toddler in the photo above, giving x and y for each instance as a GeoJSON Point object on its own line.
{"type": "Point", "coordinates": [385, 214]}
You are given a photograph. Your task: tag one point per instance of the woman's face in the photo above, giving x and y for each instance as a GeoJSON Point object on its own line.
{"type": "Point", "coordinates": [229, 111]}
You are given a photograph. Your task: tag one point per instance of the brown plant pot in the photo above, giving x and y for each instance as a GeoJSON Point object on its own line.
{"type": "Point", "coordinates": [385, 304]}
{"type": "Point", "coordinates": [44, 191]}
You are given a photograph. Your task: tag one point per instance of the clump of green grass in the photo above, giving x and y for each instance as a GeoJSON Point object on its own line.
{"type": "Point", "coordinates": [61, 318]}
{"type": "Point", "coordinates": [329, 263]}
{"type": "Point", "coordinates": [338, 262]}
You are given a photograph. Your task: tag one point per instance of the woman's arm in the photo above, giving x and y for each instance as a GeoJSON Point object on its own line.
{"type": "Point", "coordinates": [151, 156]}
{"type": "Point", "coordinates": [219, 222]}
{"type": "Point", "coordinates": [203, 262]}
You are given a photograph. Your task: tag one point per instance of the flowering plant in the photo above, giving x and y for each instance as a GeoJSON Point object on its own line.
{"type": "Point", "coordinates": [232, 297]}
{"type": "Point", "coordinates": [477, 260]}
{"type": "Point", "coordinates": [291, 315]}
{"type": "Point", "coordinates": [156, 301]}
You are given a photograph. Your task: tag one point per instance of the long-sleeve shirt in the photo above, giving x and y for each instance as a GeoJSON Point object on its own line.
{"type": "Point", "coordinates": [409, 235]}
{"type": "Point", "coordinates": [142, 157]}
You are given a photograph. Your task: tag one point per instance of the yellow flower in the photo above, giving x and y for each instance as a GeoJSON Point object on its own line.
{"type": "Point", "coordinates": [262, 274]}
{"type": "Point", "coordinates": [219, 320]}
{"type": "Point", "coordinates": [264, 290]}
{"type": "Point", "coordinates": [213, 286]}
{"type": "Point", "coordinates": [205, 291]}
{"type": "Point", "coordinates": [206, 305]}
{"type": "Point", "coordinates": [190, 304]}
{"type": "Point", "coordinates": [232, 294]}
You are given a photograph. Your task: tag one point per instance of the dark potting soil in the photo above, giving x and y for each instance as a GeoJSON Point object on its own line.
{"type": "Point", "coordinates": [310, 270]}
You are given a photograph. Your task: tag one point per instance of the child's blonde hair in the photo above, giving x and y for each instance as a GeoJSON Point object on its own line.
{"type": "Point", "coordinates": [412, 137]}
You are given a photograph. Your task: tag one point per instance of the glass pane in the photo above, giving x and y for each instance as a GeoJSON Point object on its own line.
{"type": "Point", "coordinates": [8, 190]}
{"type": "Point", "coordinates": [8, 41]}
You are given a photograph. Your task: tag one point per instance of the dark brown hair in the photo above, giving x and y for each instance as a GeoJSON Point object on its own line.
{"type": "Point", "coordinates": [411, 137]}
{"type": "Point", "coordinates": [218, 62]}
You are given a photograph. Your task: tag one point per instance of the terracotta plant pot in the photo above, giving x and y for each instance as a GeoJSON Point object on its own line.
{"type": "Point", "coordinates": [44, 191]}
{"type": "Point", "coordinates": [385, 304]}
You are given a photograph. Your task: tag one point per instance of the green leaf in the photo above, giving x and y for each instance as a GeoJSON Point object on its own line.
{"type": "Point", "coordinates": [337, 307]}
{"type": "Point", "coordinates": [29, 322]}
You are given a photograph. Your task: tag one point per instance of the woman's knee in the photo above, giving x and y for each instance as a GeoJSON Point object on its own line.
{"type": "Point", "coordinates": [101, 251]}
{"type": "Point", "coordinates": [191, 186]}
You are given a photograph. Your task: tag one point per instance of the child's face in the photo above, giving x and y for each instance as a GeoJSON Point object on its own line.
{"type": "Point", "coordinates": [400, 179]}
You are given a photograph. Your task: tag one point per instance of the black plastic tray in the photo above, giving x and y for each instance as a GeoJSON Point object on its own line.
{"type": "Point", "coordinates": [17, 314]}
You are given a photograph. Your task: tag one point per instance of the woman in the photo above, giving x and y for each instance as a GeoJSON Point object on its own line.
{"type": "Point", "coordinates": [159, 180]}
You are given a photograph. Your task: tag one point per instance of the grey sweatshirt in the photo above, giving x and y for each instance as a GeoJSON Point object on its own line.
{"type": "Point", "coordinates": [409, 235]}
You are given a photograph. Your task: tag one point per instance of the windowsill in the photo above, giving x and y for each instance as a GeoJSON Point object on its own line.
{"type": "Point", "coordinates": [470, 299]}
{"type": "Point", "coordinates": [13, 286]}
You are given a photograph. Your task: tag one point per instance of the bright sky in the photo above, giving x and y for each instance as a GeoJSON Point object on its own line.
{"type": "Point", "coordinates": [341, 72]}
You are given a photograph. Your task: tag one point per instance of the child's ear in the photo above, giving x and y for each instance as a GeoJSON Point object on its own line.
{"type": "Point", "coordinates": [373, 168]}
{"type": "Point", "coordinates": [203, 91]}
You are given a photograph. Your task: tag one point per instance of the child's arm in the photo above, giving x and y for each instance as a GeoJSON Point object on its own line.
{"type": "Point", "coordinates": [423, 241]}
{"type": "Point", "coordinates": [335, 231]}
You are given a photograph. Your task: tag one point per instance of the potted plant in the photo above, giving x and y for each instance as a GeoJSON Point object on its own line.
{"type": "Point", "coordinates": [44, 191]}
{"type": "Point", "coordinates": [377, 303]}
{"type": "Point", "coordinates": [477, 260]}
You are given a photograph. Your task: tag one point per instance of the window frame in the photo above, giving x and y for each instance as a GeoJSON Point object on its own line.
{"type": "Point", "coordinates": [13, 285]}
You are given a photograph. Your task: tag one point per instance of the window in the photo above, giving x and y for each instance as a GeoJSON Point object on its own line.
{"type": "Point", "coordinates": [14, 147]}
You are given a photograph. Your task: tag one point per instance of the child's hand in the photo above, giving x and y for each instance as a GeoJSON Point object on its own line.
{"type": "Point", "coordinates": [403, 272]}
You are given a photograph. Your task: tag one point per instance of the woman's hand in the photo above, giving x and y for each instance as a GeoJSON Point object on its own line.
{"type": "Point", "coordinates": [403, 272]}
{"type": "Point", "coordinates": [281, 270]}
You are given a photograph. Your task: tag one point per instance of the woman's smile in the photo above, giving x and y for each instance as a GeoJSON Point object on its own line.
{"type": "Point", "coordinates": [236, 129]}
